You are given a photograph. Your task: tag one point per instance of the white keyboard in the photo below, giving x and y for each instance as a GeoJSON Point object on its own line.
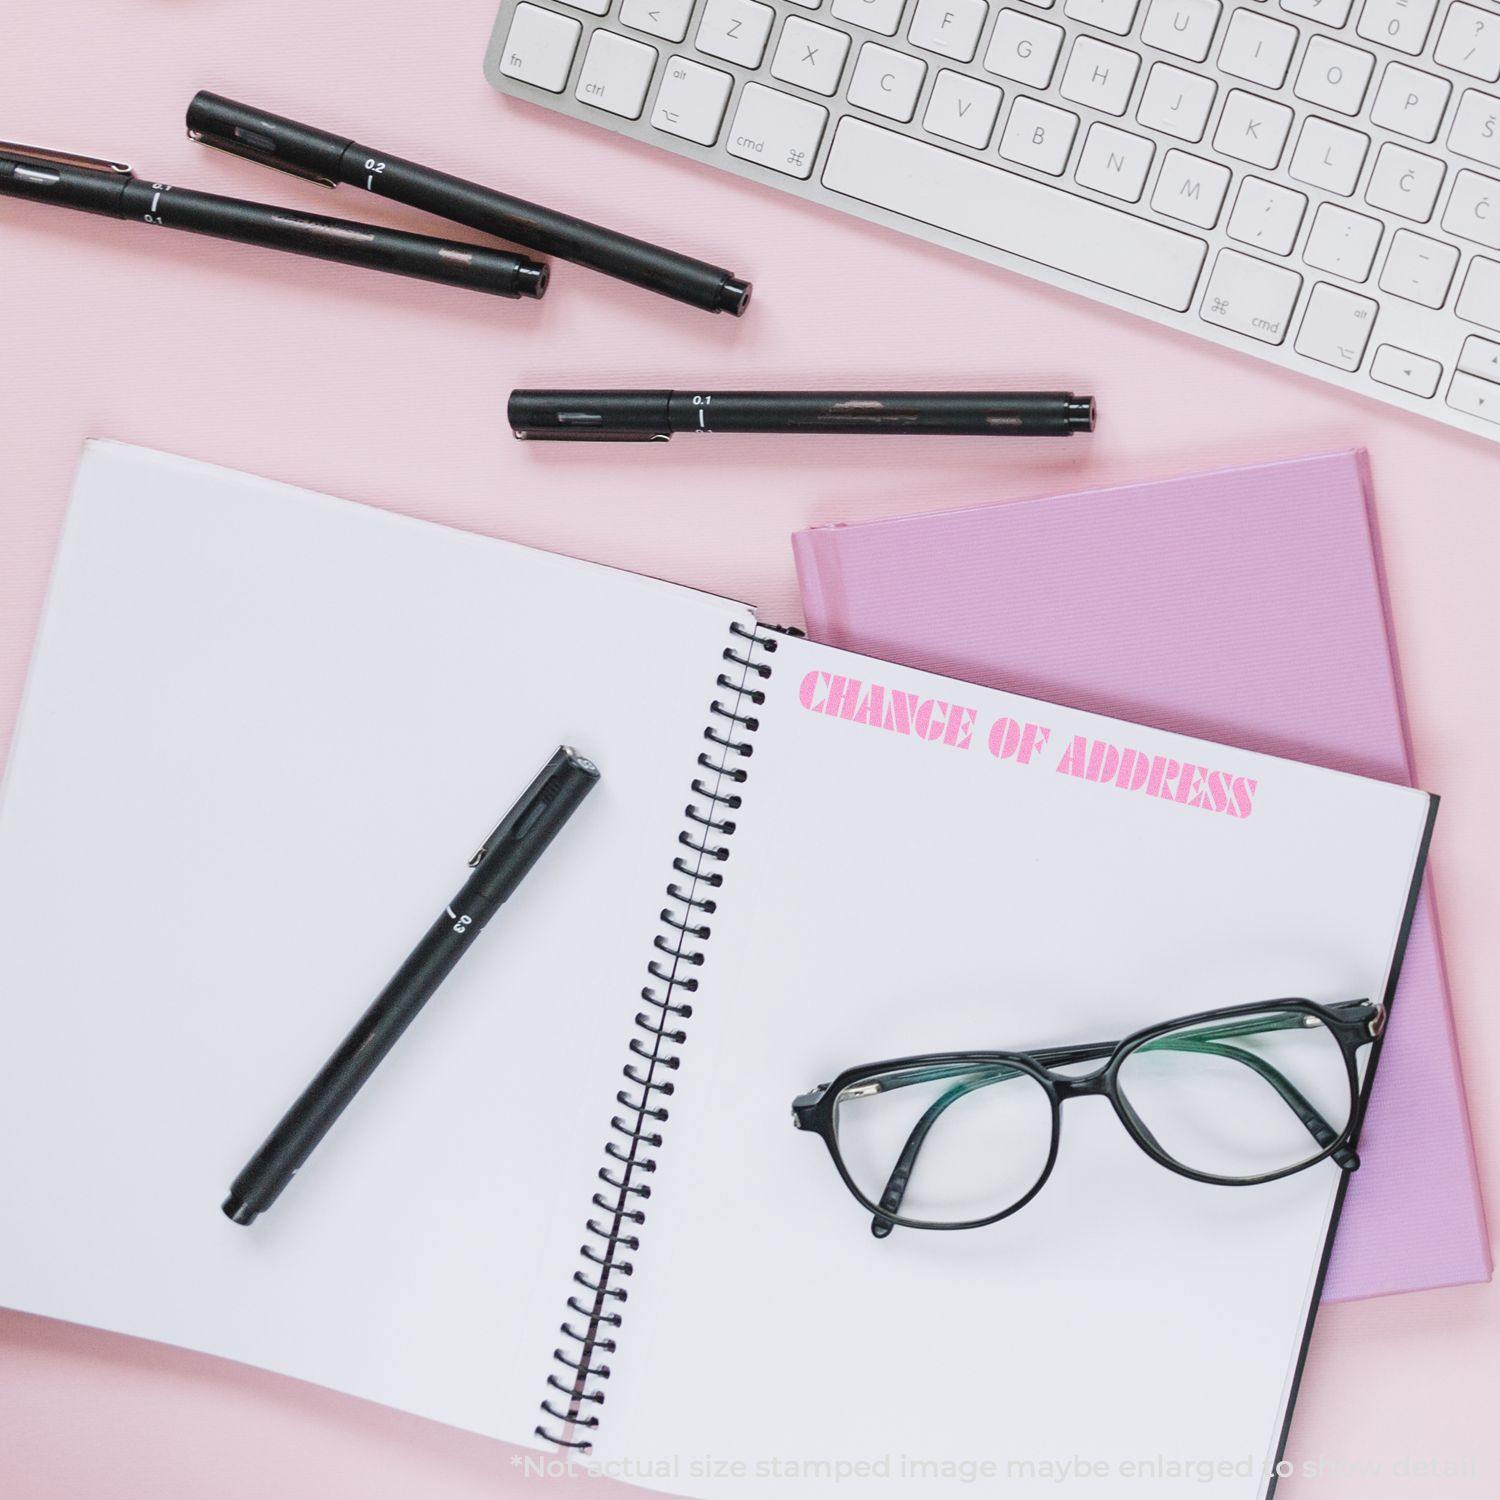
{"type": "Point", "coordinates": [1313, 181]}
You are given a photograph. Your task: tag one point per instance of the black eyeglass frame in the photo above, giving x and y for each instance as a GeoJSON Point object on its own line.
{"type": "Point", "coordinates": [1353, 1024]}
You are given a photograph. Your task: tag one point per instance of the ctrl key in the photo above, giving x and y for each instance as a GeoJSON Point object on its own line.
{"type": "Point", "coordinates": [539, 47]}
{"type": "Point", "coordinates": [777, 130]}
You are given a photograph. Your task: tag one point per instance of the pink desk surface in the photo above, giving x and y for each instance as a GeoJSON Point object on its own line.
{"type": "Point", "coordinates": [393, 393]}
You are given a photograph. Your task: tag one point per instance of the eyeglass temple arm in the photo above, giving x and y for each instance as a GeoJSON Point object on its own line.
{"type": "Point", "coordinates": [895, 1188]}
{"type": "Point", "coordinates": [1206, 1040]}
{"type": "Point", "coordinates": [1298, 1102]}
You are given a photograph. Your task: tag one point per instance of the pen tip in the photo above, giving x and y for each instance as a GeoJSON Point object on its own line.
{"type": "Point", "coordinates": [734, 296]}
{"type": "Point", "coordinates": [237, 1211]}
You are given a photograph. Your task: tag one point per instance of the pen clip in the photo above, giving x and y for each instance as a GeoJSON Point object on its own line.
{"type": "Point", "coordinates": [36, 155]}
{"type": "Point", "coordinates": [252, 150]}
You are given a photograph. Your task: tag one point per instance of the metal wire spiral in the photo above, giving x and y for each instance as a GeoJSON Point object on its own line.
{"type": "Point", "coordinates": [687, 923]}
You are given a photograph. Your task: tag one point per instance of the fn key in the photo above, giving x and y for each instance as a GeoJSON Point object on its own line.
{"type": "Point", "coordinates": [539, 47]}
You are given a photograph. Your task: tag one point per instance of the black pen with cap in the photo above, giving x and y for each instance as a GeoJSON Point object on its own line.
{"type": "Point", "coordinates": [110, 188]}
{"type": "Point", "coordinates": [331, 159]}
{"type": "Point", "coordinates": [503, 861]}
{"type": "Point", "coordinates": [646, 416]}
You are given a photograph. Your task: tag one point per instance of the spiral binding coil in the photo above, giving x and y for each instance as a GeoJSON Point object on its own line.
{"type": "Point", "coordinates": [677, 951]}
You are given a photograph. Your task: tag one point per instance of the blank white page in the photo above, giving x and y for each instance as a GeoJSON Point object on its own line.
{"type": "Point", "coordinates": [263, 733]}
{"type": "Point", "coordinates": [888, 895]}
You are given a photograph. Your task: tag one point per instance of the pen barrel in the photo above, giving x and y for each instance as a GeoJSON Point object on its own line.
{"type": "Point", "coordinates": [502, 862]}
{"type": "Point", "coordinates": [309, 152]}
{"type": "Point", "coordinates": [336, 1083]}
{"type": "Point", "coordinates": [681, 277]}
{"type": "Point", "coordinates": [249, 223]}
{"type": "Point", "coordinates": [893, 413]}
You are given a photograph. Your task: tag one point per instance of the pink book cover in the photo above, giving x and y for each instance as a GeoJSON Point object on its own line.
{"type": "Point", "coordinates": [1246, 606]}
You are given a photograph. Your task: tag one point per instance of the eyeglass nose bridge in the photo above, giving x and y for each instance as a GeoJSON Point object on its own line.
{"type": "Point", "coordinates": [1074, 1085]}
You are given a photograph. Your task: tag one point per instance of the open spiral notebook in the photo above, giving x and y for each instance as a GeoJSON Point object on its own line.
{"type": "Point", "coordinates": [263, 729]}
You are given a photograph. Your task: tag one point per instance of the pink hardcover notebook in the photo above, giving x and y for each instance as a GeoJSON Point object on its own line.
{"type": "Point", "coordinates": [1245, 606]}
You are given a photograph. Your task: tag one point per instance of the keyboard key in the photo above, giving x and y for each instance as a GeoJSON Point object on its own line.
{"type": "Point", "coordinates": [1475, 131]}
{"type": "Point", "coordinates": [1400, 368]}
{"type": "Point", "coordinates": [1336, 327]}
{"type": "Point", "coordinates": [1329, 12]}
{"type": "Point", "coordinates": [1418, 269]}
{"type": "Point", "coordinates": [951, 27]}
{"type": "Point", "coordinates": [690, 102]}
{"type": "Point", "coordinates": [1252, 129]}
{"type": "Point", "coordinates": [1185, 28]}
{"type": "Point", "coordinates": [1411, 102]}
{"type": "Point", "coordinates": [1405, 182]}
{"type": "Point", "coordinates": [1473, 211]}
{"type": "Point", "coordinates": [1117, 16]}
{"type": "Point", "coordinates": [1334, 75]}
{"type": "Point", "coordinates": [1038, 135]}
{"type": "Point", "coordinates": [883, 16]}
{"type": "Point", "coordinates": [1190, 189]}
{"type": "Point", "coordinates": [1013, 213]}
{"type": "Point", "coordinates": [811, 56]}
{"type": "Point", "coordinates": [1480, 357]}
{"type": "Point", "coordinates": [1023, 48]}
{"type": "Point", "coordinates": [593, 7]}
{"type": "Point", "coordinates": [1266, 216]}
{"type": "Point", "coordinates": [667, 19]}
{"type": "Point", "coordinates": [1099, 75]}
{"type": "Point", "coordinates": [887, 83]}
{"type": "Point", "coordinates": [1343, 242]}
{"type": "Point", "coordinates": [1402, 24]}
{"type": "Point", "coordinates": [1257, 49]}
{"type": "Point", "coordinates": [1470, 42]}
{"type": "Point", "coordinates": [1479, 301]}
{"type": "Point", "coordinates": [1475, 397]}
{"type": "Point", "coordinates": [1176, 102]}
{"type": "Point", "coordinates": [777, 130]}
{"type": "Point", "coordinates": [1328, 156]}
{"type": "Point", "coordinates": [1115, 162]}
{"type": "Point", "coordinates": [962, 109]}
{"type": "Point", "coordinates": [616, 73]}
{"type": "Point", "coordinates": [1250, 297]}
{"type": "Point", "coordinates": [735, 30]}
{"type": "Point", "coordinates": [539, 47]}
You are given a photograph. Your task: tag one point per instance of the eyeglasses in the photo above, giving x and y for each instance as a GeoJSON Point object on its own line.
{"type": "Point", "coordinates": [957, 1140]}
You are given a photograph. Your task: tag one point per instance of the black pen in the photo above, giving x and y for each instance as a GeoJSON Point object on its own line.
{"type": "Point", "coordinates": [110, 188]}
{"type": "Point", "coordinates": [644, 416]}
{"type": "Point", "coordinates": [499, 867]}
{"type": "Point", "coordinates": [331, 159]}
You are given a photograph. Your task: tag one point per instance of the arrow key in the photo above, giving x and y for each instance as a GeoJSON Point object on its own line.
{"type": "Point", "coordinates": [667, 19]}
{"type": "Point", "coordinates": [1480, 357]}
{"type": "Point", "coordinates": [1475, 397]}
{"type": "Point", "coordinates": [1413, 373]}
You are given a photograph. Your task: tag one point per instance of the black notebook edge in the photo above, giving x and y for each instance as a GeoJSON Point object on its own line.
{"type": "Point", "coordinates": [1398, 959]}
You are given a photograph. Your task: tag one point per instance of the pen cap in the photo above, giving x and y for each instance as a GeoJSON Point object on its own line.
{"type": "Point", "coordinates": [530, 826]}
{"type": "Point", "coordinates": [267, 138]}
{"type": "Point", "coordinates": [603, 416]}
{"type": "Point", "coordinates": [79, 182]}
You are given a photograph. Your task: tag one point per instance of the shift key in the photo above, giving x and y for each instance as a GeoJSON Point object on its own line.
{"type": "Point", "coordinates": [1250, 297]}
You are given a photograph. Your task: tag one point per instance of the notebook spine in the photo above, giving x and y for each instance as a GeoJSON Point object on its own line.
{"type": "Point", "coordinates": [576, 1387]}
